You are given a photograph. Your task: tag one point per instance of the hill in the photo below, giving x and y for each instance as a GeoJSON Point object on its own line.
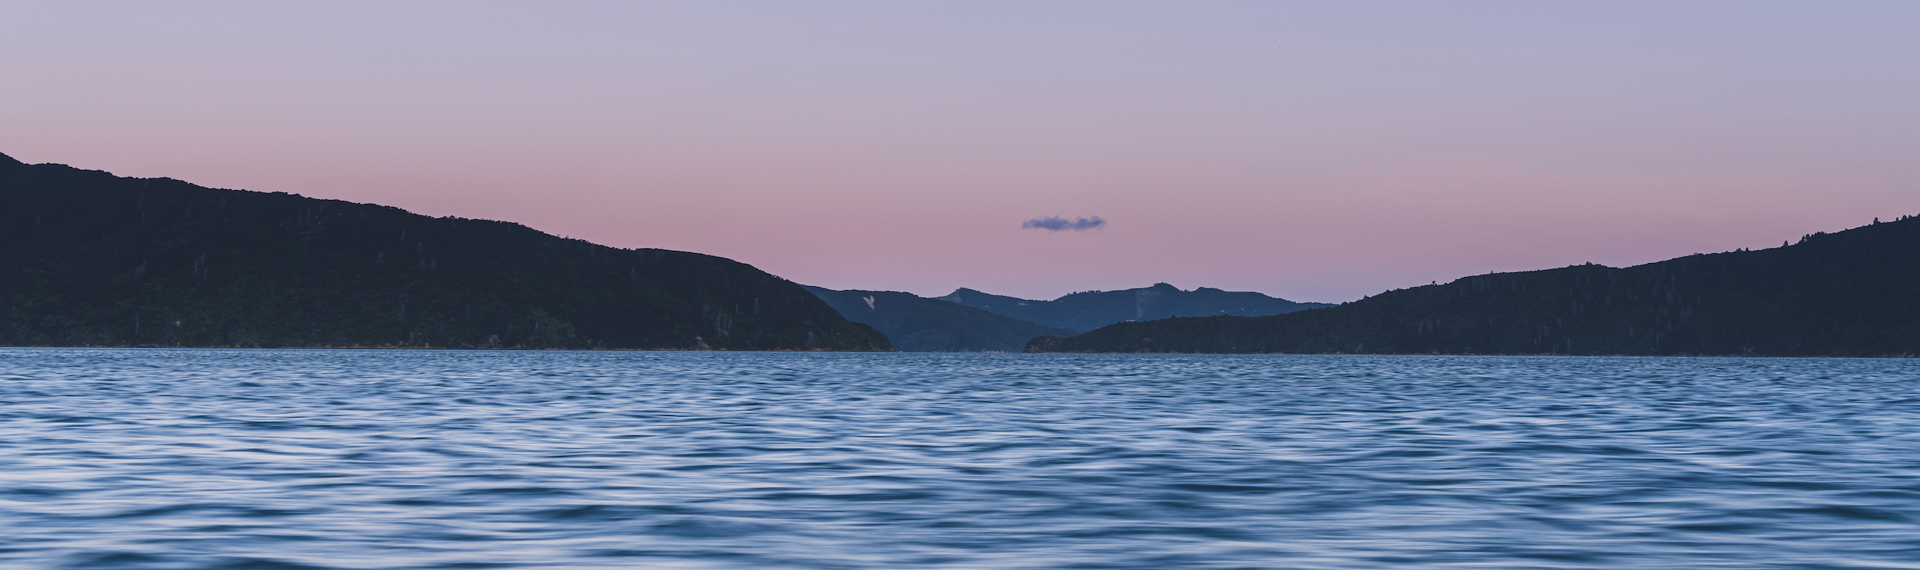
{"type": "Point", "coordinates": [1090, 310]}
{"type": "Point", "coordinates": [918, 324]}
{"type": "Point", "coordinates": [1852, 293]}
{"type": "Point", "coordinates": [90, 259]}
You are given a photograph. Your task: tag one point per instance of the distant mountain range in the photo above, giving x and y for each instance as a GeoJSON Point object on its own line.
{"type": "Point", "coordinates": [919, 324]}
{"type": "Point", "coordinates": [1094, 309]}
{"type": "Point", "coordinates": [971, 321]}
{"type": "Point", "coordinates": [90, 259]}
{"type": "Point", "coordinates": [1851, 293]}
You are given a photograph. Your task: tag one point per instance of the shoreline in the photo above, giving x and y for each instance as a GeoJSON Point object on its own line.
{"type": "Point", "coordinates": [499, 349]}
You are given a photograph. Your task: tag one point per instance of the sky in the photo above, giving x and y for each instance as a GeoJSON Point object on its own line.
{"type": "Point", "coordinates": [1316, 151]}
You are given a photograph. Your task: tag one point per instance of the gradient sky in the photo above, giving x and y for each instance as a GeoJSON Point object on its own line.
{"type": "Point", "coordinates": [1317, 151]}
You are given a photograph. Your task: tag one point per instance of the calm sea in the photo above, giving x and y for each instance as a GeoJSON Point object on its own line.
{"type": "Point", "coordinates": [429, 459]}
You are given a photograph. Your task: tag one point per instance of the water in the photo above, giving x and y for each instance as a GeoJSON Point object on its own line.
{"type": "Point", "coordinates": [427, 459]}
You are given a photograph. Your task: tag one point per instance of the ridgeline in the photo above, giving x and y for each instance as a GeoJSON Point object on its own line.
{"type": "Point", "coordinates": [1851, 293]}
{"type": "Point", "coordinates": [1090, 310]}
{"type": "Point", "coordinates": [90, 259]}
{"type": "Point", "coordinates": [919, 324]}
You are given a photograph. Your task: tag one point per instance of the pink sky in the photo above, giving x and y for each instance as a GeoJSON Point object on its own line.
{"type": "Point", "coordinates": [1314, 151]}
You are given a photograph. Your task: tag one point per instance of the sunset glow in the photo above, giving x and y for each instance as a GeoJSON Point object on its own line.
{"type": "Point", "coordinates": [1312, 151]}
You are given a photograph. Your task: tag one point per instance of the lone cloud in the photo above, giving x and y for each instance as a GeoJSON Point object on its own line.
{"type": "Point", "coordinates": [1059, 224]}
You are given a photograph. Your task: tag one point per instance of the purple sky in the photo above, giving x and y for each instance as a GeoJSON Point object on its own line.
{"type": "Point", "coordinates": [1315, 151]}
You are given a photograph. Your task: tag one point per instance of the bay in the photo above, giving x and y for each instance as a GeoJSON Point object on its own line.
{"type": "Point", "coordinates": [154, 458]}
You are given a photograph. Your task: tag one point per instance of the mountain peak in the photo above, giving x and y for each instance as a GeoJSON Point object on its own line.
{"type": "Point", "coordinates": [1088, 310]}
{"type": "Point", "coordinates": [918, 324]}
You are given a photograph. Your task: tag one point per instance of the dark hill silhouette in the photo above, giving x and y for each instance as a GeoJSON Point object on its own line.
{"type": "Point", "coordinates": [1852, 293]}
{"type": "Point", "coordinates": [918, 324]}
{"type": "Point", "coordinates": [87, 258]}
{"type": "Point", "coordinates": [1090, 310]}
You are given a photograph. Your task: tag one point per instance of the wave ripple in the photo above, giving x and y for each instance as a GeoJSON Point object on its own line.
{"type": "Point", "coordinates": [425, 459]}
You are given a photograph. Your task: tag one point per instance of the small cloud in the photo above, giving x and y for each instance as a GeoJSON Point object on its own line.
{"type": "Point", "coordinates": [1059, 224]}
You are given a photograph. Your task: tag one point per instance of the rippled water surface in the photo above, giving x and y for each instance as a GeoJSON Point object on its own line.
{"type": "Point", "coordinates": [423, 459]}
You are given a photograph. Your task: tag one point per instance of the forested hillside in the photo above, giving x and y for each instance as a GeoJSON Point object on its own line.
{"type": "Point", "coordinates": [90, 259]}
{"type": "Point", "coordinates": [1852, 293]}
